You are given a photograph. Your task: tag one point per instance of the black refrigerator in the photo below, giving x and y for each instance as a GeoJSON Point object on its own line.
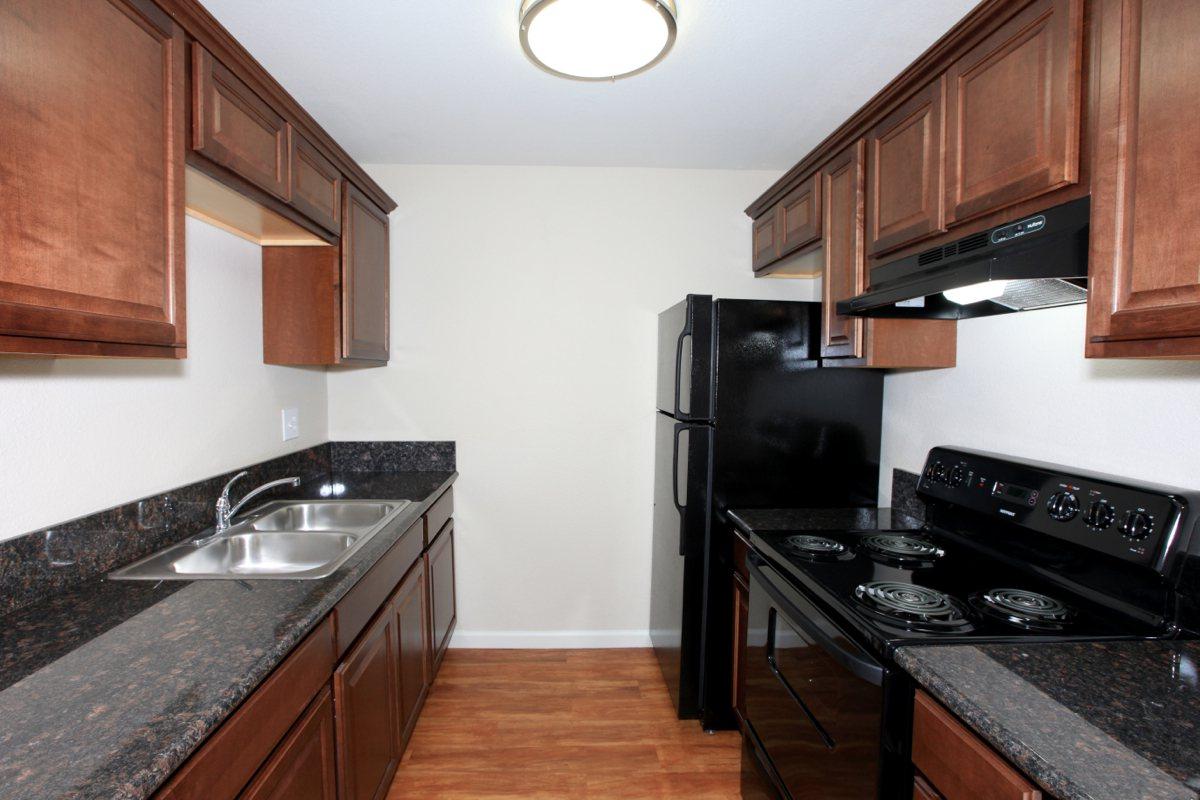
{"type": "Point", "coordinates": [748, 417]}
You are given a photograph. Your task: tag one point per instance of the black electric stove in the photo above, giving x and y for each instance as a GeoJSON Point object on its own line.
{"type": "Point", "coordinates": [1012, 551]}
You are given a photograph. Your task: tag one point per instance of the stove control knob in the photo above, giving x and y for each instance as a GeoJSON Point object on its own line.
{"type": "Point", "coordinates": [958, 476]}
{"type": "Point", "coordinates": [1100, 515]}
{"type": "Point", "coordinates": [1062, 506]}
{"type": "Point", "coordinates": [1137, 525]}
{"type": "Point", "coordinates": [936, 472]}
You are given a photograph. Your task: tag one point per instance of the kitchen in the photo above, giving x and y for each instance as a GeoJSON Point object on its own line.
{"type": "Point", "coordinates": [391, 280]}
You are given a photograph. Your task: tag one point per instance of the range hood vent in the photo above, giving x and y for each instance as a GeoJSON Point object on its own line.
{"type": "Point", "coordinates": [1039, 261]}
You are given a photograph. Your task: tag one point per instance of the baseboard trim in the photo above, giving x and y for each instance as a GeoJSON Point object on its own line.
{"type": "Point", "coordinates": [549, 640]}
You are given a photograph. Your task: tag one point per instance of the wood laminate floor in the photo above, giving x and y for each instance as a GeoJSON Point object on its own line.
{"type": "Point", "coordinates": [560, 725]}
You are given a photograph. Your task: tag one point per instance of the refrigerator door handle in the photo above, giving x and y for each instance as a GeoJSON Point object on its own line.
{"type": "Point", "coordinates": [680, 507]}
{"type": "Point", "coordinates": [685, 333]}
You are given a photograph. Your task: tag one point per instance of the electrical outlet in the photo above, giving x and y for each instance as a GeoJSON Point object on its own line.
{"type": "Point", "coordinates": [291, 423]}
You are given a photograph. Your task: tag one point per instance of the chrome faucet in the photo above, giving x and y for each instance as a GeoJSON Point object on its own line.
{"type": "Point", "coordinates": [226, 512]}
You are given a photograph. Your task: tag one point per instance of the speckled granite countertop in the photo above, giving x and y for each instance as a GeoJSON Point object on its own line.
{"type": "Point", "coordinates": [768, 520]}
{"type": "Point", "coordinates": [106, 690]}
{"type": "Point", "coordinates": [1087, 721]}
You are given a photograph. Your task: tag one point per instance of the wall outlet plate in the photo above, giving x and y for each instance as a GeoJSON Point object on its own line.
{"type": "Point", "coordinates": [291, 423]}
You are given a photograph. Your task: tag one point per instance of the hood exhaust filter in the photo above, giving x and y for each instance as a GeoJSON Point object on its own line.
{"type": "Point", "coordinates": [1039, 261]}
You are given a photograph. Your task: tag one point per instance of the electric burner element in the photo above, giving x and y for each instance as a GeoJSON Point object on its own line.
{"type": "Point", "coordinates": [1024, 609]}
{"type": "Point", "coordinates": [815, 548]}
{"type": "Point", "coordinates": [899, 549]}
{"type": "Point", "coordinates": [914, 606]}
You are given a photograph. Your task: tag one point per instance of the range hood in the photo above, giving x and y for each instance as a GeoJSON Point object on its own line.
{"type": "Point", "coordinates": [1038, 261]}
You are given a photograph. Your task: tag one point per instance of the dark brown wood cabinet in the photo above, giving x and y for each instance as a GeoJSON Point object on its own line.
{"type": "Point", "coordinates": [237, 129]}
{"type": "Point", "coordinates": [316, 184]}
{"type": "Point", "coordinates": [799, 216]}
{"type": "Point", "coordinates": [302, 767]}
{"type": "Point", "coordinates": [439, 562]}
{"type": "Point", "coordinates": [905, 172]}
{"type": "Point", "coordinates": [365, 278]}
{"type": "Point", "coordinates": [1013, 111]}
{"type": "Point", "coordinates": [845, 267]}
{"type": "Point", "coordinates": [1144, 298]}
{"type": "Point", "coordinates": [952, 763]}
{"type": "Point", "coordinates": [92, 136]}
{"type": "Point", "coordinates": [410, 605]}
{"type": "Point", "coordinates": [765, 239]}
{"type": "Point", "coordinates": [365, 689]}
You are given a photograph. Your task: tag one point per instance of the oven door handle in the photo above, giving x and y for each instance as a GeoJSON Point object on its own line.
{"type": "Point", "coordinates": [862, 668]}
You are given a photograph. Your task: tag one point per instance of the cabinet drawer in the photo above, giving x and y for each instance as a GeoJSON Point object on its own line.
{"type": "Point", "coordinates": [316, 188]}
{"type": "Point", "coordinates": [355, 610]}
{"type": "Point", "coordinates": [957, 762]}
{"type": "Point", "coordinates": [232, 126]}
{"type": "Point", "coordinates": [438, 515]}
{"type": "Point", "coordinates": [231, 756]}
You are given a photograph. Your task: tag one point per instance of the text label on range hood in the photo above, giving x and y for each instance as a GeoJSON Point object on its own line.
{"type": "Point", "coordinates": [1042, 258]}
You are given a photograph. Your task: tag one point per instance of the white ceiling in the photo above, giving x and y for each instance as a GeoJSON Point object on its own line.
{"type": "Point", "coordinates": [751, 84]}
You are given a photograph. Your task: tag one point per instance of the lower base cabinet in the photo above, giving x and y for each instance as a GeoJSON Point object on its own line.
{"type": "Point", "coordinates": [368, 725]}
{"type": "Point", "coordinates": [302, 768]}
{"type": "Point", "coordinates": [320, 728]}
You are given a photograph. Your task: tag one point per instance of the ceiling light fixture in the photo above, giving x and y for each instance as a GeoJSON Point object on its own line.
{"type": "Point", "coordinates": [597, 40]}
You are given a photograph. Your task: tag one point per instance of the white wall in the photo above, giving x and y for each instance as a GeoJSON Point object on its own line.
{"type": "Point", "coordinates": [524, 306]}
{"type": "Point", "coordinates": [78, 436]}
{"type": "Point", "coordinates": [1022, 387]}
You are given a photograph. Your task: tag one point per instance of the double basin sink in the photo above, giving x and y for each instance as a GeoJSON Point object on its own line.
{"type": "Point", "coordinates": [281, 540]}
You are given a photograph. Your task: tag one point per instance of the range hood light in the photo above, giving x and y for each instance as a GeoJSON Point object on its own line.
{"type": "Point", "coordinates": [976, 293]}
{"type": "Point", "coordinates": [597, 40]}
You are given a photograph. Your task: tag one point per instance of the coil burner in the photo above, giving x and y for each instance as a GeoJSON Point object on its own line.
{"type": "Point", "coordinates": [904, 551]}
{"type": "Point", "coordinates": [915, 607]}
{"type": "Point", "coordinates": [816, 548]}
{"type": "Point", "coordinates": [1024, 609]}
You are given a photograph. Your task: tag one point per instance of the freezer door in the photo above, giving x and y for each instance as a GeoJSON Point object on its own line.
{"type": "Point", "coordinates": [680, 536]}
{"type": "Point", "coordinates": [685, 359]}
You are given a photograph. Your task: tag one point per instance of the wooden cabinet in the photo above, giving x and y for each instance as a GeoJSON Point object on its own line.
{"type": "Point", "coordinates": [365, 278]}
{"type": "Point", "coordinates": [845, 268]}
{"type": "Point", "coordinates": [1013, 111]}
{"type": "Point", "coordinates": [955, 764]}
{"type": "Point", "coordinates": [92, 139]}
{"type": "Point", "coordinates": [799, 216]}
{"type": "Point", "coordinates": [439, 562]}
{"type": "Point", "coordinates": [1144, 294]}
{"type": "Point", "coordinates": [766, 244]}
{"type": "Point", "coordinates": [302, 768]}
{"type": "Point", "coordinates": [368, 726]}
{"type": "Point", "coordinates": [316, 184]}
{"type": "Point", "coordinates": [234, 127]}
{"type": "Point", "coordinates": [330, 305]}
{"type": "Point", "coordinates": [410, 605]}
{"type": "Point", "coordinates": [905, 172]}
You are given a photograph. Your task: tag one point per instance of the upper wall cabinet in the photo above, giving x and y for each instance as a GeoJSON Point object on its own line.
{"type": "Point", "coordinates": [793, 223]}
{"type": "Point", "coordinates": [92, 138]}
{"type": "Point", "coordinates": [905, 168]}
{"type": "Point", "coordinates": [365, 277]}
{"type": "Point", "coordinates": [1144, 298]}
{"type": "Point", "coordinates": [235, 128]}
{"type": "Point", "coordinates": [316, 188]}
{"type": "Point", "coordinates": [1013, 111]}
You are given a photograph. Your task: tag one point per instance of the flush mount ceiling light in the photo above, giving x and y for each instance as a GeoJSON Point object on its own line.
{"type": "Point", "coordinates": [597, 40]}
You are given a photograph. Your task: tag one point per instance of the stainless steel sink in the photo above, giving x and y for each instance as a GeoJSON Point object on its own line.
{"type": "Point", "coordinates": [281, 540]}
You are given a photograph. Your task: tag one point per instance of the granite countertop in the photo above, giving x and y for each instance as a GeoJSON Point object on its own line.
{"type": "Point", "coordinates": [774, 520]}
{"type": "Point", "coordinates": [1087, 721]}
{"type": "Point", "coordinates": [106, 690]}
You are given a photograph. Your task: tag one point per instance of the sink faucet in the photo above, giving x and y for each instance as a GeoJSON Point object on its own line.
{"type": "Point", "coordinates": [226, 512]}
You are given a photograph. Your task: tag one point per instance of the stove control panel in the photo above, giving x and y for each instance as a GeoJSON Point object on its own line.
{"type": "Point", "coordinates": [1141, 523]}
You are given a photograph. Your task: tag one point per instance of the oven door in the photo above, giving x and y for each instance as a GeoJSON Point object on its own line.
{"type": "Point", "coordinates": [814, 698]}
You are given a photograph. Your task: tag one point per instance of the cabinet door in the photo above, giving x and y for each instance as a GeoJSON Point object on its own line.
{"type": "Point", "coordinates": [905, 160]}
{"type": "Point", "coordinates": [232, 126]}
{"type": "Point", "coordinates": [1013, 111]}
{"type": "Point", "coordinates": [316, 183]}
{"type": "Point", "coordinates": [799, 216]}
{"type": "Point", "coordinates": [844, 266]}
{"type": "Point", "coordinates": [368, 729]}
{"type": "Point", "coordinates": [410, 604]}
{"type": "Point", "coordinates": [1144, 297]}
{"type": "Point", "coordinates": [440, 559]}
{"type": "Point", "coordinates": [766, 245]}
{"type": "Point", "coordinates": [365, 278]}
{"type": "Point", "coordinates": [741, 615]}
{"type": "Point", "coordinates": [92, 139]}
{"type": "Point", "coordinates": [302, 767]}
